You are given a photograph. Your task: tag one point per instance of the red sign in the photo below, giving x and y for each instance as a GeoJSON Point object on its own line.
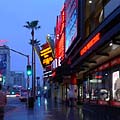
{"type": "Point", "coordinates": [90, 44]}
{"type": "Point", "coordinates": [60, 32]}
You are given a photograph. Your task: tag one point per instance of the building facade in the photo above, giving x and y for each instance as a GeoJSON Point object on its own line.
{"type": "Point", "coordinates": [18, 79]}
{"type": "Point", "coordinates": [8, 77]}
{"type": "Point", "coordinates": [5, 64]}
{"type": "Point", "coordinates": [93, 52]}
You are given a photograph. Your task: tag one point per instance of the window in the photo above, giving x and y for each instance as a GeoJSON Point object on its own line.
{"type": "Point", "coordinates": [94, 14]}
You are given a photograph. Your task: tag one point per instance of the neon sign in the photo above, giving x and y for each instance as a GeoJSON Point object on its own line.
{"type": "Point", "coordinates": [46, 56]}
{"type": "Point", "coordinates": [92, 42]}
{"type": "Point", "coordinates": [60, 32]}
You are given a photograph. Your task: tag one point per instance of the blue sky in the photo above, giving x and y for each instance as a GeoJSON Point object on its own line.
{"type": "Point", "coordinates": [14, 14]}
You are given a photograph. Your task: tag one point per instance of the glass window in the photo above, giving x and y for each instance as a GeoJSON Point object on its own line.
{"type": "Point", "coordinates": [86, 89]}
{"type": "Point", "coordinates": [94, 14]}
{"type": "Point", "coordinates": [97, 86]}
{"type": "Point", "coordinates": [104, 88]}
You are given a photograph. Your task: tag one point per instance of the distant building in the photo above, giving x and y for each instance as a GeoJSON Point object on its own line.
{"type": "Point", "coordinates": [18, 78]}
{"type": "Point", "coordinates": [5, 64]}
{"type": "Point", "coordinates": [8, 77]}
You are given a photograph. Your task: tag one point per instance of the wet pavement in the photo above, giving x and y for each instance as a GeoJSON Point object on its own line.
{"type": "Point", "coordinates": [43, 110]}
{"type": "Point", "coordinates": [47, 109]}
{"type": "Point", "coordinates": [98, 112]}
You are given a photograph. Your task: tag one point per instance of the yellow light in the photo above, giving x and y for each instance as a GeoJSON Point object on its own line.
{"type": "Point", "coordinates": [46, 56]}
{"type": "Point", "coordinates": [43, 54]}
{"type": "Point", "coordinates": [42, 51]}
{"type": "Point", "coordinates": [47, 60]}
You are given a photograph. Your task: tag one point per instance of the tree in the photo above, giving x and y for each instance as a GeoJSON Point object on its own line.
{"type": "Point", "coordinates": [33, 25]}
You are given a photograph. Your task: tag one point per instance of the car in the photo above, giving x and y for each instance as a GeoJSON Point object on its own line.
{"type": "Point", "coordinates": [23, 96]}
{"type": "Point", "coordinates": [13, 93]}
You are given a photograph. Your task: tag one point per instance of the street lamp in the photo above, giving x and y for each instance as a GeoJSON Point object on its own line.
{"type": "Point", "coordinates": [33, 25]}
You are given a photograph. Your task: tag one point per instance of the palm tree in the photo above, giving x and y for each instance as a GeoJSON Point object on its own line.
{"type": "Point", "coordinates": [33, 25]}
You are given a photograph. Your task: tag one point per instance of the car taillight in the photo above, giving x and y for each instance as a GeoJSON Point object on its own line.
{"type": "Point", "coordinates": [17, 95]}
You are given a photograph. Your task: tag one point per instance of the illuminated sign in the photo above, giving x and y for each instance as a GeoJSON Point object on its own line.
{"type": "Point", "coordinates": [46, 56]}
{"type": "Point", "coordinates": [50, 41]}
{"type": "Point", "coordinates": [54, 74]}
{"type": "Point", "coordinates": [115, 83]}
{"type": "Point", "coordinates": [71, 21]}
{"type": "Point", "coordinates": [60, 39]}
{"type": "Point", "coordinates": [98, 76]}
{"type": "Point", "coordinates": [90, 44]}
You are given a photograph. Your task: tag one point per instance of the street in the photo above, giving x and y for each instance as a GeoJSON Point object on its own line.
{"type": "Point", "coordinates": [47, 109]}
{"type": "Point", "coordinates": [44, 110]}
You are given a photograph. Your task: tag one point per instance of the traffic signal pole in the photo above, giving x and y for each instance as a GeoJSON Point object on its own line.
{"type": "Point", "coordinates": [28, 63]}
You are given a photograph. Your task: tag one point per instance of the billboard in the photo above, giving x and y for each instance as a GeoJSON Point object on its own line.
{"type": "Point", "coordinates": [71, 21]}
{"type": "Point", "coordinates": [3, 64]}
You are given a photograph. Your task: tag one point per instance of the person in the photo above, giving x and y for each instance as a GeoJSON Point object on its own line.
{"type": "Point", "coordinates": [71, 98]}
{"type": "Point", "coordinates": [3, 101]}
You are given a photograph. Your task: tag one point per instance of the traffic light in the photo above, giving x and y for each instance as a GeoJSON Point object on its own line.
{"type": "Point", "coordinates": [29, 71]}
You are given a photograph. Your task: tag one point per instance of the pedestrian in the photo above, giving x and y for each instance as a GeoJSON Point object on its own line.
{"type": "Point", "coordinates": [71, 98]}
{"type": "Point", "coordinates": [3, 101]}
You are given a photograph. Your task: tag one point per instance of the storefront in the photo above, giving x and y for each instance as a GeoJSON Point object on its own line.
{"type": "Point", "coordinates": [98, 61]}
{"type": "Point", "coordinates": [102, 84]}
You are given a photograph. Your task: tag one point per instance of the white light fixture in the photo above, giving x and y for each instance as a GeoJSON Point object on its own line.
{"type": "Point", "coordinates": [111, 44]}
{"type": "Point", "coordinates": [90, 1]}
{"type": "Point", "coordinates": [45, 87]}
{"type": "Point", "coordinates": [106, 74]}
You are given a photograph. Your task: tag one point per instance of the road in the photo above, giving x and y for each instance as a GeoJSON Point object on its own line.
{"type": "Point", "coordinates": [43, 110]}
{"type": "Point", "coordinates": [47, 109]}
{"type": "Point", "coordinates": [12, 104]}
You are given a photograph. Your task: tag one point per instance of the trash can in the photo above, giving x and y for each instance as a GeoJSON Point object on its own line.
{"type": "Point", "coordinates": [31, 102]}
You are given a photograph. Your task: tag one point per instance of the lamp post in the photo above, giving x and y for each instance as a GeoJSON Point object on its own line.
{"type": "Point", "coordinates": [33, 25]}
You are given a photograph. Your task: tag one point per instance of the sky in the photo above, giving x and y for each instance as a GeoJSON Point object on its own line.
{"type": "Point", "coordinates": [13, 16]}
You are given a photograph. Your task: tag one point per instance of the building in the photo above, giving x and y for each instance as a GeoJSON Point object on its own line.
{"type": "Point", "coordinates": [92, 50]}
{"type": "Point", "coordinates": [95, 59]}
{"type": "Point", "coordinates": [5, 64]}
{"type": "Point", "coordinates": [8, 77]}
{"type": "Point", "coordinates": [18, 78]}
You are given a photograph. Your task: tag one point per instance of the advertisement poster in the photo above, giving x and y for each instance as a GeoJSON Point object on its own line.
{"type": "Point", "coordinates": [3, 64]}
{"type": "Point", "coordinates": [71, 21]}
{"type": "Point", "coordinates": [116, 85]}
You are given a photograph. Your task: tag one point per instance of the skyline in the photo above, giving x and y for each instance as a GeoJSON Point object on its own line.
{"type": "Point", "coordinates": [14, 16]}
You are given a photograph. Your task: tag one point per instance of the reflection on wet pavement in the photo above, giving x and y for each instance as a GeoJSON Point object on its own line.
{"type": "Point", "coordinates": [43, 110]}
{"type": "Point", "coordinates": [46, 109]}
